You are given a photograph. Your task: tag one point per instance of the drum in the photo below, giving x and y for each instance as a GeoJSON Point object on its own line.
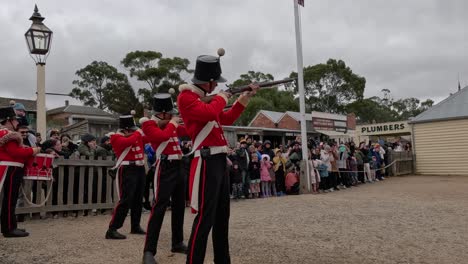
{"type": "Point", "coordinates": [39, 168]}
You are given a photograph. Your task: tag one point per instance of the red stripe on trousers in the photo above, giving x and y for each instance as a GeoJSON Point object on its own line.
{"type": "Point", "coordinates": [158, 174]}
{"type": "Point", "coordinates": [200, 212]}
{"type": "Point", "coordinates": [120, 194]}
{"type": "Point", "coordinates": [9, 199]}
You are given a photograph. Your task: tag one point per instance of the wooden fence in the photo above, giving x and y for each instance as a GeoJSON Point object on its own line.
{"type": "Point", "coordinates": [404, 163]}
{"type": "Point", "coordinates": [79, 184]}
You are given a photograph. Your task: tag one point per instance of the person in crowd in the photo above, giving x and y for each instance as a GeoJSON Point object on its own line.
{"type": "Point", "coordinates": [292, 181]}
{"type": "Point", "coordinates": [373, 168]}
{"type": "Point", "coordinates": [314, 173]}
{"type": "Point", "coordinates": [365, 159]}
{"type": "Point", "coordinates": [235, 177]}
{"type": "Point", "coordinates": [295, 153]}
{"type": "Point", "coordinates": [54, 134]}
{"type": "Point", "coordinates": [352, 167]}
{"type": "Point", "coordinates": [408, 147]}
{"type": "Point", "coordinates": [326, 159]}
{"type": "Point", "coordinates": [104, 149]}
{"type": "Point", "coordinates": [163, 131]}
{"type": "Point", "coordinates": [38, 139]}
{"type": "Point", "coordinates": [279, 166]}
{"type": "Point", "coordinates": [68, 147]}
{"type": "Point", "coordinates": [13, 155]}
{"type": "Point", "coordinates": [128, 143]}
{"type": "Point", "coordinates": [259, 149]}
{"type": "Point", "coordinates": [265, 177]}
{"type": "Point", "coordinates": [379, 153]}
{"type": "Point", "coordinates": [88, 146]}
{"type": "Point", "coordinates": [267, 149]}
{"type": "Point", "coordinates": [209, 163]}
{"type": "Point", "coordinates": [150, 159]}
{"type": "Point", "coordinates": [254, 172]}
{"type": "Point", "coordinates": [243, 159]}
{"type": "Point", "coordinates": [334, 174]}
{"type": "Point", "coordinates": [52, 146]}
{"type": "Point", "coordinates": [26, 135]}
{"type": "Point", "coordinates": [343, 153]}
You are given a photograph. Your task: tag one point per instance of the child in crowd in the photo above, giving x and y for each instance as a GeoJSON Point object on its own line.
{"type": "Point", "coordinates": [373, 167]}
{"type": "Point", "coordinates": [314, 173]}
{"type": "Point", "coordinates": [292, 181]}
{"type": "Point", "coordinates": [254, 172]}
{"type": "Point", "coordinates": [236, 180]}
{"type": "Point", "coordinates": [265, 166]}
{"type": "Point", "coordinates": [352, 165]}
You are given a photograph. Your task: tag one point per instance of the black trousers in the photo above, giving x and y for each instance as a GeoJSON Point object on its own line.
{"type": "Point", "coordinates": [280, 187]}
{"type": "Point", "coordinates": [214, 209]}
{"type": "Point", "coordinates": [131, 185]}
{"type": "Point", "coordinates": [11, 188]}
{"type": "Point", "coordinates": [170, 185]}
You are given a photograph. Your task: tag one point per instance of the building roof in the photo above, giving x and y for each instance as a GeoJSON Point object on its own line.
{"type": "Point", "coordinates": [329, 116]}
{"type": "Point", "coordinates": [79, 110]}
{"type": "Point", "coordinates": [453, 107]}
{"type": "Point", "coordinates": [297, 115]}
{"type": "Point", "coordinates": [30, 105]}
{"type": "Point", "coordinates": [272, 115]}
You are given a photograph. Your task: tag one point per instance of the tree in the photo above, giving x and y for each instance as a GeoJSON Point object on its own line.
{"type": "Point", "coordinates": [266, 98]}
{"type": "Point", "coordinates": [121, 98]}
{"type": "Point", "coordinates": [94, 80]}
{"type": "Point", "coordinates": [369, 111]}
{"type": "Point", "coordinates": [159, 73]}
{"type": "Point", "coordinates": [330, 87]}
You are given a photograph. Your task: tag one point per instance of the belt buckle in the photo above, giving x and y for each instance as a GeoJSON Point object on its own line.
{"type": "Point", "coordinates": [164, 157]}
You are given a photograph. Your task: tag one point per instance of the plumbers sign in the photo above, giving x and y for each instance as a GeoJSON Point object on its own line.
{"type": "Point", "coordinates": [384, 128]}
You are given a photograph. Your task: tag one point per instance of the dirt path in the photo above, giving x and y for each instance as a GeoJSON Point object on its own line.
{"type": "Point", "coordinates": [400, 220]}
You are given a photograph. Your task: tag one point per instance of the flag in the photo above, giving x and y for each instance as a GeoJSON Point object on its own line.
{"type": "Point", "coordinates": [301, 2]}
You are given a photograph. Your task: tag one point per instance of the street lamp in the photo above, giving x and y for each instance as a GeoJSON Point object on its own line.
{"type": "Point", "coordinates": [38, 38]}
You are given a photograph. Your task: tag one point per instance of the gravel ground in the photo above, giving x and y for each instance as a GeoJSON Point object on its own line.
{"type": "Point", "coordinates": [401, 220]}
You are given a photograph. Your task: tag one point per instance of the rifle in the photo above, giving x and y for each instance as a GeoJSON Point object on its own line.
{"type": "Point", "coordinates": [244, 88]}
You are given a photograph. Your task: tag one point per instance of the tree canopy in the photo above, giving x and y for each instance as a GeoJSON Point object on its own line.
{"type": "Point", "coordinates": [331, 86]}
{"type": "Point", "coordinates": [94, 80]}
{"type": "Point", "coordinates": [159, 73]}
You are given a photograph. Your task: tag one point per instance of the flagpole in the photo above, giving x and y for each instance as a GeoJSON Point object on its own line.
{"type": "Point", "coordinates": [300, 79]}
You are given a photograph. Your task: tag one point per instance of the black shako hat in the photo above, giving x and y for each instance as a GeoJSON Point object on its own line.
{"type": "Point", "coordinates": [126, 121]}
{"type": "Point", "coordinates": [162, 103]}
{"type": "Point", "coordinates": [7, 113]}
{"type": "Point", "coordinates": [207, 69]}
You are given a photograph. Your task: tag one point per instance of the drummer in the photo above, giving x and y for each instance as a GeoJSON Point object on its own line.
{"type": "Point", "coordinates": [13, 155]}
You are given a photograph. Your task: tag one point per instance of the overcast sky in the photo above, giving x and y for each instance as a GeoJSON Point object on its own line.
{"type": "Point", "coordinates": [414, 48]}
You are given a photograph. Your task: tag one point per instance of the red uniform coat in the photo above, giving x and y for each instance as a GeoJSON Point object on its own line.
{"type": "Point", "coordinates": [12, 150]}
{"type": "Point", "coordinates": [196, 114]}
{"type": "Point", "coordinates": [156, 136]}
{"type": "Point", "coordinates": [136, 141]}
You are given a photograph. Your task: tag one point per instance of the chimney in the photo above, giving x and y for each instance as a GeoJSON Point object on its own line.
{"type": "Point", "coordinates": [66, 103]}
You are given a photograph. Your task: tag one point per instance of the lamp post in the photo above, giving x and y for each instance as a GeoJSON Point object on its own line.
{"type": "Point", "coordinates": [38, 38]}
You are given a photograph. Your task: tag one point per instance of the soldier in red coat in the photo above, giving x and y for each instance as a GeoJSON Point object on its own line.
{"type": "Point", "coordinates": [13, 155]}
{"type": "Point", "coordinates": [209, 186]}
{"type": "Point", "coordinates": [128, 145]}
{"type": "Point", "coordinates": [163, 131]}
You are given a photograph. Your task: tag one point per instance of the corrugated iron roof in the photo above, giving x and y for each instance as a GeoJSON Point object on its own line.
{"type": "Point", "coordinates": [78, 109]}
{"type": "Point", "coordinates": [453, 107]}
{"type": "Point", "coordinates": [30, 105]}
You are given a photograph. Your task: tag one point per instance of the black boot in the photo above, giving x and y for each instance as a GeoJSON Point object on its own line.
{"type": "Point", "coordinates": [113, 234]}
{"type": "Point", "coordinates": [148, 258]}
{"type": "Point", "coordinates": [16, 233]}
{"type": "Point", "coordinates": [180, 248]}
{"type": "Point", "coordinates": [147, 205]}
{"type": "Point", "coordinates": [138, 231]}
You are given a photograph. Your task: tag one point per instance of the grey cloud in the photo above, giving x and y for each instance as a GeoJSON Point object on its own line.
{"type": "Point", "coordinates": [414, 48]}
